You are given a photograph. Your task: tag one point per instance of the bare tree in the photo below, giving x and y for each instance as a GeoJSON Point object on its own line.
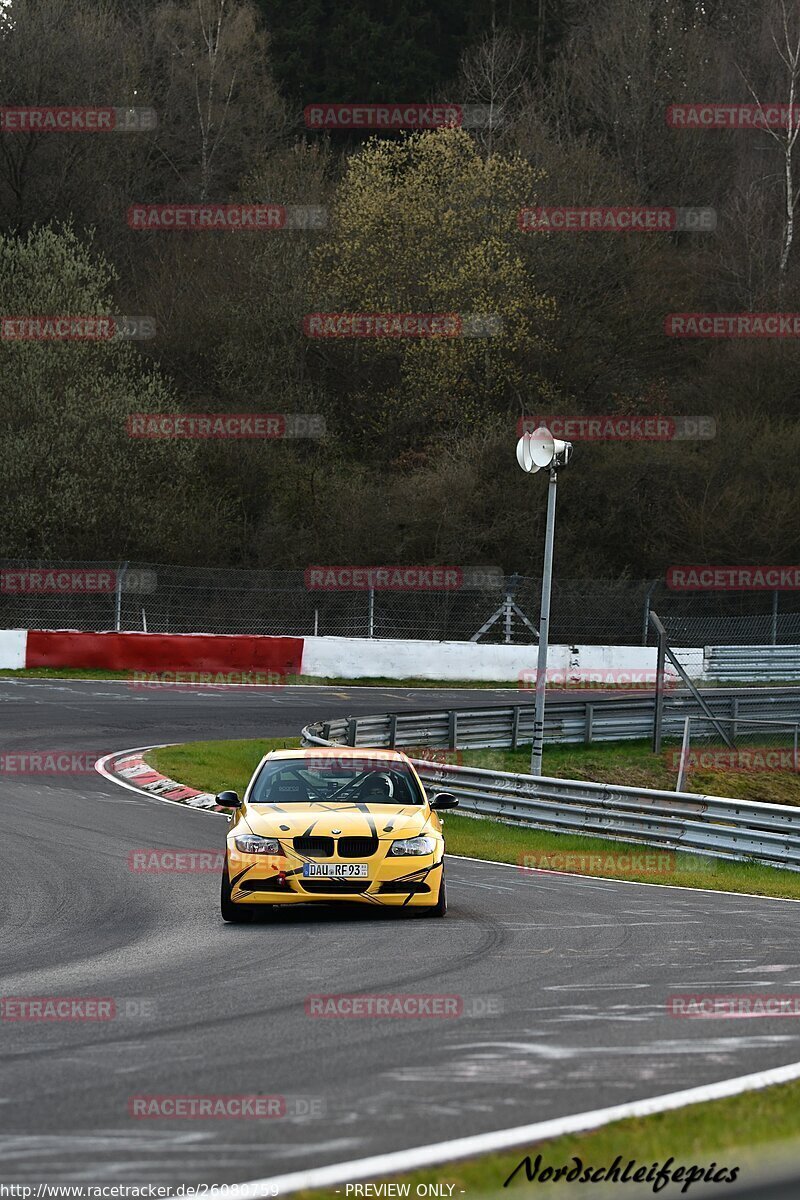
{"type": "Point", "coordinates": [621, 69]}
{"type": "Point", "coordinates": [493, 74]}
{"type": "Point", "coordinates": [783, 32]}
{"type": "Point", "coordinates": [218, 98]}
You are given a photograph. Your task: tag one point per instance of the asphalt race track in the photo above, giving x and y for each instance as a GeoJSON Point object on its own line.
{"type": "Point", "coordinates": [564, 981]}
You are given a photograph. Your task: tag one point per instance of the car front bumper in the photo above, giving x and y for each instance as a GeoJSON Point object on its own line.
{"type": "Point", "coordinates": [407, 881]}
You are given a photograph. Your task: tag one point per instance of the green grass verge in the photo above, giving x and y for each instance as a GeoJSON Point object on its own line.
{"type": "Point", "coordinates": [634, 764]}
{"type": "Point", "coordinates": [507, 685]}
{"type": "Point", "coordinates": [214, 766]}
{"type": "Point", "coordinates": [742, 1131]}
{"type": "Point", "coordinates": [308, 680]}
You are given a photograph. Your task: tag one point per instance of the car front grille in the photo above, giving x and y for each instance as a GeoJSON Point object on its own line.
{"type": "Point", "coordinates": [357, 847]}
{"type": "Point", "coordinates": [338, 887]}
{"type": "Point", "coordinates": [347, 847]}
{"type": "Point", "coordinates": [403, 886]}
{"type": "Point", "coordinates": [320, 847]}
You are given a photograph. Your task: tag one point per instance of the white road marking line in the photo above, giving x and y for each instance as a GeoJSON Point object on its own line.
{"type": "Point", "coordinates": [664, 887]}
{"type": "Point", "coordinates": [599, 925]}
{"type": "Point", "coordinates": [504, 1139]}
{"type": "Point", "coordinates": [592, 987]}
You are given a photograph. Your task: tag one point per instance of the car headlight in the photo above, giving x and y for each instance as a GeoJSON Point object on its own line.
{"type": "Point", "coordinates": [249, 843]}
{"type": "Point", "coordinates": [414, 845]}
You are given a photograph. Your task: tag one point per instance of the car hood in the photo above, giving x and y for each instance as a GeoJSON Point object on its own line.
{"type": "Point", "coordinates": [363, 820]}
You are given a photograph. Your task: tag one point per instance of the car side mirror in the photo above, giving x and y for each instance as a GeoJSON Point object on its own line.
{"type": "Point", "coordinates": [229, 800]}
{"type": "Point", "coordinates": [444, 800]}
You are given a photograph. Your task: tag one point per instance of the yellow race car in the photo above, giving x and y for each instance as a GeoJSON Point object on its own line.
{"type": "Point", "coordinates": [334, 824]}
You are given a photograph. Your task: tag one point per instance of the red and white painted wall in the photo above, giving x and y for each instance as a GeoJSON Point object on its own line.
{"type": "Point", "coordinates": [331, 657]}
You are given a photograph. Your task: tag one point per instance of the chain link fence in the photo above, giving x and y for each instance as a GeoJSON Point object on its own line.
{"type": "Point", "coordinates": [491, 608]}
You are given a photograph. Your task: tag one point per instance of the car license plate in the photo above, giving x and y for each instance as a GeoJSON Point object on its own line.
{"type": "Point", "coordinates": [334, 870]}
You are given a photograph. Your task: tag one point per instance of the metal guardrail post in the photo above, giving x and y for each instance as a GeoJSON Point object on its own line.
{"type": "Point", "coordinates": [646, 614]}
{"type": "Point", "coordinates": [392, 730]}
{"type": "Point", "coordinates": [452, 729]}
{"type": "Point", "coordinates": [118, 597]}
{"type": "Point", "coordinates": [515, 727]}
{"type": "Point", "coordinates": [588, 722]}
{"type": "Point", "coordinates": [352, 730]}
{"type": "Point", "coordinates": [658, 707]}
{"type": "Point", "coordinates": [684, 756]}
{"type": "Point", "coordinates": [662, 639]}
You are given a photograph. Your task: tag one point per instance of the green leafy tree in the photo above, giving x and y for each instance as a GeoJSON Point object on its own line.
{"type": "Point", "coordinates": [74, 483]}
{"type": "Point", "coordinates": [426, 225]}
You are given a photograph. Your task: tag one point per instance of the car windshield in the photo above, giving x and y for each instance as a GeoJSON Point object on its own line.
{"type": "Point", "coordinates": [324, 780]}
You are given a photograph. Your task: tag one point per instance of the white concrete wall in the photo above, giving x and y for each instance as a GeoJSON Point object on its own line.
{"type": "Point", "coordinates": [12, 648]}
{"type": "Point", "coordinates": [359, 658]}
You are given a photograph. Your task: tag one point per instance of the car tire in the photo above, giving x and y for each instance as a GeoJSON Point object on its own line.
{"type": "Point", "coordinates": [234, 914]}
{"type": "Point", "coordinates": [439, 909]}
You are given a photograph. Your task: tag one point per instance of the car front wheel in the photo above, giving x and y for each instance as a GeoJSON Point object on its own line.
{"type": "Point", "coordinates": [440, 907]}
{"type": "Point", "coordinates": [235, 914]}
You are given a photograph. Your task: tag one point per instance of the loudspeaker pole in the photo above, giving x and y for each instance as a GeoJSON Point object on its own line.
{"type": "Point", "coordinates": [544, 626]}
{"type": "Point", "coordinates": [539, 451]}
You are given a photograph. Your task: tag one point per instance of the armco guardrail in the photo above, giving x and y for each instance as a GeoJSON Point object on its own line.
{"type": "Point", "coordinates": [752, 662]}
{"type": "Point", "coordinates": [726, 828]}
{"type": "Point", "coordinates": [712, 825]}
{"type": "Point", "coordinates": [587, 719]}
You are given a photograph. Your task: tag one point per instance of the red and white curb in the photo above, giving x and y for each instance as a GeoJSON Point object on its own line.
{"type": "Point", "coordinates": [129, 769]}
